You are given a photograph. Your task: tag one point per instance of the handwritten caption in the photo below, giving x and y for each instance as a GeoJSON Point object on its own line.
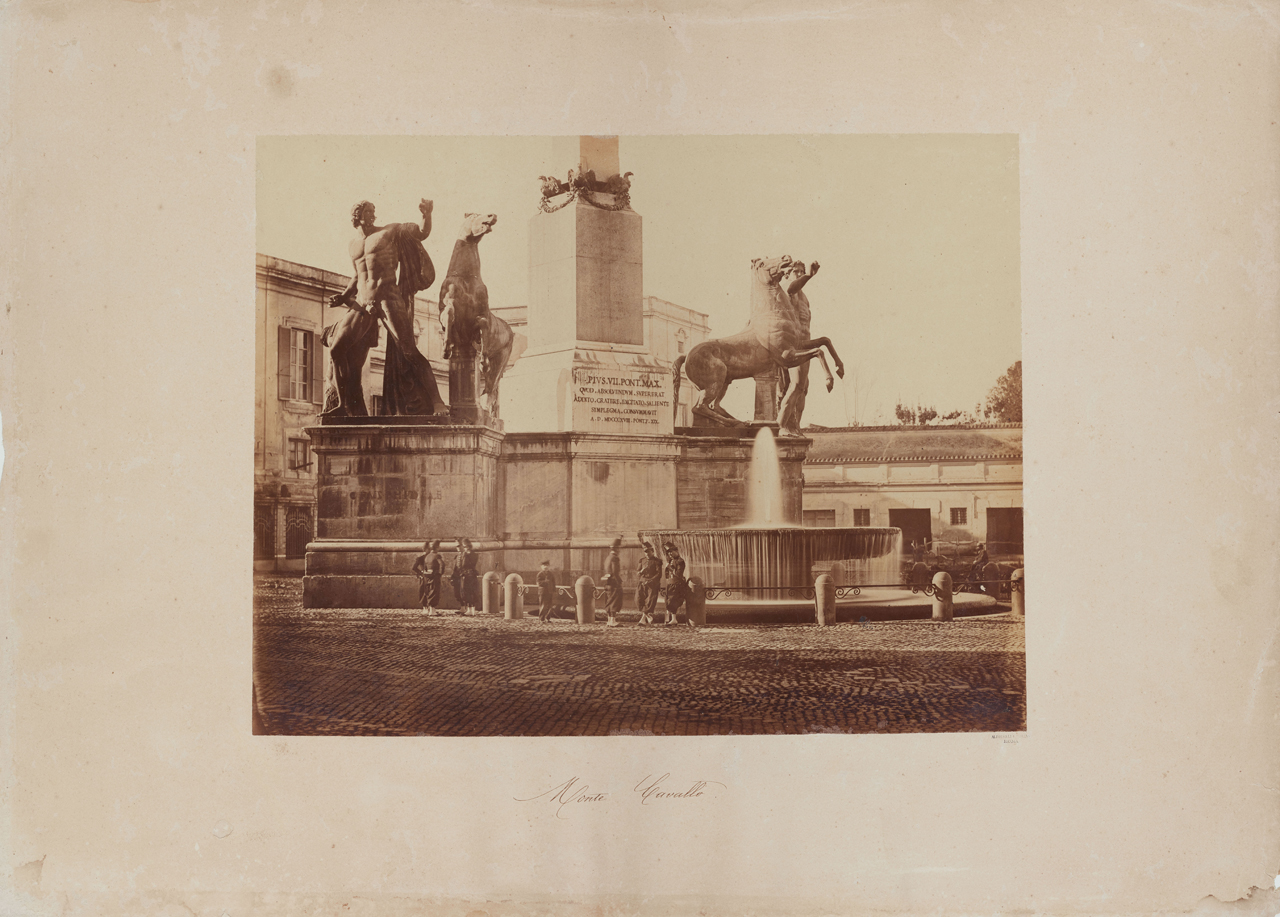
{"type": "Point", "coordinates": [648, 791]}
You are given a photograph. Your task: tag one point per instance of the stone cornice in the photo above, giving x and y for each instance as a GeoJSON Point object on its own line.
{"type": "Point", "coordinates": [914, 460]}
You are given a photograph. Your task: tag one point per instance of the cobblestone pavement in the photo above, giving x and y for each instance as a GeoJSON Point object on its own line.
{"type": "Point", "coordinates": [398, 672]}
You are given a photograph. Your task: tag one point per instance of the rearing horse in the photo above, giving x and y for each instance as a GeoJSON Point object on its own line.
{"type": "Point", "coordinates": [775, 336]}
{"type": "Point", "coordinates": [465, 318]}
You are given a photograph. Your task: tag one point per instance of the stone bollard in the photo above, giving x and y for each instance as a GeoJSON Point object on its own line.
{"type": "Point", "coordinates": [942, 596]}
{"type": "Point", "coordinates": [919, 575]}
{"type": "Point", "coordinates": [490, 593]}
{"type": "Point", "coordinates": [513, 601]}
{"type": "Point", "coordinates": [695, 607]}
{"type": "Point", "coordinates": [585, 588]}
{"type": "Point", "coordinates": [824, 599]}
{"type": "Point", "coordinates": [1018, 592]}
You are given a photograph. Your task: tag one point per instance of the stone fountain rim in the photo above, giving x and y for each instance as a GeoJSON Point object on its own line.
{"type": "Point", "coordinates": [878, 529]}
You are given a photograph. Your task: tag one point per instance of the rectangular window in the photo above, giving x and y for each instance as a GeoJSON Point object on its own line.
{"type": "Point", "coordinates": [299, 455]}
{"type": "Point", "coordinates": [299, 365]}
{"type": "Point", "coordinates": [375, 405]}
{"type": "Point", "coordinates": [862, 517]}
{"type": "Point", "coordinates": [959, 516]}
{"type": "Point", "coordinates": [820, 518]}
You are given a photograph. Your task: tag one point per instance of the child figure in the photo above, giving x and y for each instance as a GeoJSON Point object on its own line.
{"type": "Point", "coordinates": [546, 591]}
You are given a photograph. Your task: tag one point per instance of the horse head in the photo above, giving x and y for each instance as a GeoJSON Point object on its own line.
{"type": "Point", "coordinates": [476, 225]}
{"type": "Point", "coordinates": [771, 270]}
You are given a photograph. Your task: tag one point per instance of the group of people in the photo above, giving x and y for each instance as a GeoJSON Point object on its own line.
{"type": "Point", "coordinates": [429, 568]}
{"type": "Point", "coordinates": [649, 574]}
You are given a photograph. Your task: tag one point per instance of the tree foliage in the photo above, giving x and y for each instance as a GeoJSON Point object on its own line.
{"type": "Point", "coordinates": [917, 415]}
{"type": "Point", "coordinates": [1005, 398]}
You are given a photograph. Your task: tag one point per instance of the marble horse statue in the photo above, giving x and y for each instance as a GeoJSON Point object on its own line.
{"type": "Point", "coordinates": [776, 335]}
{"type": "Point", "coordinates": [465, 319]}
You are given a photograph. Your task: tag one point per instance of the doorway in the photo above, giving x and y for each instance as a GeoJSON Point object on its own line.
{"type": "Point", "coordinates": [1004, 530]}
{"type": "Point", "coordinates": [916, 525]}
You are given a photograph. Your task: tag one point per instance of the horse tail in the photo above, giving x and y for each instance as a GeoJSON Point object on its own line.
{"type": "Point", "coordinates": [675, 389]}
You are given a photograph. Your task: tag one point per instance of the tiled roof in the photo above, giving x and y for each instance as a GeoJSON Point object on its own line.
{"type": "Point", "coordinates": [974, 443]}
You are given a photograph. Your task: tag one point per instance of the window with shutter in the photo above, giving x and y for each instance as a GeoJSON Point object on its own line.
{"type": "Point", "coordinates": [283, 362]}
{"type": "Point", "coordinates": [317, 374]}
{"type": "Point", "coordinates": [298, 369]}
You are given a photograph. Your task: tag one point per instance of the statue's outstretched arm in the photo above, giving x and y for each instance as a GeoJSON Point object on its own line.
{"type": "Point", "coordinates": [799, 282]}
{"type": "Point", "coordinates": [424, 207]}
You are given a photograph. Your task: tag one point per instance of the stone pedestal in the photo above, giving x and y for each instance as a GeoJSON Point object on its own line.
{"type": "Point", "coordinates": [614, 391]}
{"type": "Point", "coordinates": [579, 491]}
{"type": "Point", "coordinates": [463, 385]}
{"type": "Point", "coordinates": [384, 489]}
{"type": "Point", "coordinates": [713, 475]}
{"type": "Point", "coordinates": [587, 368]}
{"type": "Point", "coordinates": [766, 404]}
{"type": "Point", "coordinates": [586, 280]}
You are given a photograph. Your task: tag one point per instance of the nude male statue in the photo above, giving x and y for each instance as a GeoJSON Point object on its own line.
{"type": "Point", "coordinates": [409, 386]}
{"type": "Point", "coordinates": [795, 393]}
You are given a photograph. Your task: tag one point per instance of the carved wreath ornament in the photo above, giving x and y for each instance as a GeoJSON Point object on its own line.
{"type": "Point", "coordinates": [583, 186]}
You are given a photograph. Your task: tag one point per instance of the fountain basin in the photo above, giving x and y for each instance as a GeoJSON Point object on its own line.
{"type": "Point", "coordinates": [755, 567]}
{"type": "Point", "coordinates": [873, 604]}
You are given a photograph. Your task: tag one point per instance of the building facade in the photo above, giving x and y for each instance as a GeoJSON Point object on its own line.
{"type": "Point", "coordinates": [292, 365]}
{"type": "Point", "coordinates": [949, 487]}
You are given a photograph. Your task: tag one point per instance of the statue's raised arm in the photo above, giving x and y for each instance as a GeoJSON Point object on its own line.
{"type": "Point", "coordinates": [424, 207]}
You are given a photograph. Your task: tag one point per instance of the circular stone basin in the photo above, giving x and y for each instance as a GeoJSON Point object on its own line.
{"type": "Point", "coordinates": [889, 604]}
{"type": "Point", "coordinates": [774, 563]}
{"type": "Point", "coordinates": [754, 574]}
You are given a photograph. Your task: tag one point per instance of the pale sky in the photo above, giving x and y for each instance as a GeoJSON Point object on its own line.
{"type": "Point", "coordinates": [917, 236]}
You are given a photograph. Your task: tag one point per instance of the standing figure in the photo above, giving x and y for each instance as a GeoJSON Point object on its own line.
{"type": "Point", "coordinates": [466, 580]}
{"type": "Point", "coordinates": [677, 585]}
{"type": "Point", "coordinates": [546, 592]}
{"type": "Point", "coordinates": [795, 391]}
{"type": "Point", "coordinates": [430, 570]}
{"type": "Point", "coordinates": [613, 583]}
{"type": "Point", "coordinates": [409, 385]}
{"type": "Point", "coordinates": [455, 577]}
{"type": "Point", "coordinates": [649, 577]}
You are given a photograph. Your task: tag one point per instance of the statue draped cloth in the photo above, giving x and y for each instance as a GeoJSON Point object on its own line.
{"type": "Point", "coordinates": [408, 384]}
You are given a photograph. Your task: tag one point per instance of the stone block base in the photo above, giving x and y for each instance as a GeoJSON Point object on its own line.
{"type": "Point", "coordinates": [375, 575]}
{"type": "Point", "coordinates": [405, 482]}
{"type": "Point", "coordinates": [362, 592]}
{"type": "Point", "coordinates": [713, 476]}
